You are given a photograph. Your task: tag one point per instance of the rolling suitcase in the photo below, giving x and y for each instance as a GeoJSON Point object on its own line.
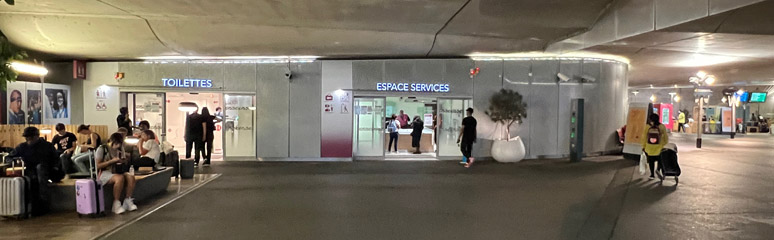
{"type": "Point", "coordinates": [186, 168]}
{"type": "Point", "coordinates": [668, 162]}
{"type": "Point", "coordinates": [89, 196]}
{"type": "Point", "coordinates": [172, 160]}
{"type": "Point", "coordinates": [16, 194]}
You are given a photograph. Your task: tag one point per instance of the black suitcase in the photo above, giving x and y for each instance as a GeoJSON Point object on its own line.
{"type": "Point", "coordinates": [669, 165]}
{"type": "Point", "coordinates": [172, 160]}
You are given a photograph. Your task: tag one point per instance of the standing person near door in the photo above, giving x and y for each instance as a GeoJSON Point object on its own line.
{"type": "Point", "coordinates": [681, 122]}
{"type": "Point", "coordinates": [392, 128]}
{"type": "Point", "coordinates": [123, 120]}
{"type": "Point", "coordinates": [208, 124]}
{"type": "Point", "coordinates": [194, 133]}
{"type": "Point", "coordinates": [467, 137]}
{"type": "Point", "coordinates": [416, 134]}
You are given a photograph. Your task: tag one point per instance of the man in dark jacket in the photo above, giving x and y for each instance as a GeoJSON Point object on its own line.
{"type": "Point", "coordinates": [416, 134]}
{"type": "Point", "coordinates": [39, 158]}
{"type": "Point", "coordinates": [194, 132]}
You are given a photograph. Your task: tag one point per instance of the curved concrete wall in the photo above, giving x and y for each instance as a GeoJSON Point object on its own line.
{"type": "Point", "coordinates": [289, 123]}
{"type": "Point", "coordinates": [545, 132]}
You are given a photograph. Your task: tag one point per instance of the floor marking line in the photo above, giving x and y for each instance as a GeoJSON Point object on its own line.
{"type": "Point", "coordinates": [122, 226]}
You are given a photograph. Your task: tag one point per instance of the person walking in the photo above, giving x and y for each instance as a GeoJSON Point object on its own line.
{"type": "Point", "coordinates": [123, 120]}
{"type": "Point", "coordinates": [681, 122]}
{"type": "Point", "coordinates": [392, 128]}
{"type": "Point", "coordinates": [194, 134]}
{"type": "Point", "coordinates": [653, 141]}
{"type": "Point", "coordinates": [416, 134]}
{"type": "Point", "coordinates": [467, 137]}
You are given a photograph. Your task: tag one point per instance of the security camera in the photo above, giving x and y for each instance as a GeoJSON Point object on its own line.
{"type": "Point", "coordinates": [288, 74]}
{"type": "Point", "coordinates": [588, 78]}
{"type": "Point", "coordinates": [562, 77]}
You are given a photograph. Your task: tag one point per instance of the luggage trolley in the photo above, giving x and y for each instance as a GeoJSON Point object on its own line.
{"type": "Point", "coordinates": [669, 166]}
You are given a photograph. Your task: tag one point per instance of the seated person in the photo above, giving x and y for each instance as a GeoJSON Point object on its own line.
{"type": "Point", "coordinates": [93, 140]}
{"type": "Point", "coordinates": [149, 150]}
{"type": "Point", "coordinates": [144, 125]}
{"type": "Point", "coordinates": [39, 157]}
{"type": "Point", "coordinates": [65, 143]}
{"type": "Point", "coordinates": [112, 168]}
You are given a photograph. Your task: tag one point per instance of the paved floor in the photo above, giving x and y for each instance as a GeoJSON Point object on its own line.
{"type": "Point", "coordinates": [725, 192]}
{"type": "Point", "coordinates": [67, 225]}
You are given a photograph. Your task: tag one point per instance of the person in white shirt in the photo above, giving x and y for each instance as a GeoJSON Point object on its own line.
{"type": "Point", "coordinates": [149, 150]}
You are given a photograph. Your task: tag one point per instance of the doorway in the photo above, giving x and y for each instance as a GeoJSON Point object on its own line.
{"type": "Point", "coordinates": [176, 119]}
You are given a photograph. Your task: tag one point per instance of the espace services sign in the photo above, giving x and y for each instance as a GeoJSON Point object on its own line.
{"type": "Point", "coordinates": [413, 87]}
{"type": "Point", "coordinates": [187, 83]}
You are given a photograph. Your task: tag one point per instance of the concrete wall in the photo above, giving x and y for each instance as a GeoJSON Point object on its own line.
{"type": "Point", "coordinates": [545, 132]}
{"type": "Point", "coordinates": [289, 119]}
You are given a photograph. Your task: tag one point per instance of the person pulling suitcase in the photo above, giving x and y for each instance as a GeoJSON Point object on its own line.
{"type": "Point", "coordinates": [653, 141]}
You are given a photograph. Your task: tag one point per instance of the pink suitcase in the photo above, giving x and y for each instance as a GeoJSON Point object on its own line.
{"type": "Point", "coordinates": [89, 196]}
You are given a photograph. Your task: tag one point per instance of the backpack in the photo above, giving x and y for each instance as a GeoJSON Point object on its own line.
{"type": "Point", "coordinates": [391, 127]}
{"type": "Point", "coordinates": [654, 135]}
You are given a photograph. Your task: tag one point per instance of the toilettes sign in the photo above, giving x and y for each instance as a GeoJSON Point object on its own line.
{"type": "Point", "coordinates": [412, 87]}
{"type": "Point", "coordinates": [187, 82]}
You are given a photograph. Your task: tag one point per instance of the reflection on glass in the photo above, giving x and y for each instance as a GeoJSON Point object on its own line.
{"type": "Point", "coordinates": [452, 111]}
{"type": "Point", "coordinates": [369, 127]}
{"type": "Point", "coordinates": [238, 121]}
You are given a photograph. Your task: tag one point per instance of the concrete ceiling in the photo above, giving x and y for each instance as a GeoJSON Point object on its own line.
{"type": "Point", "coordinates": [666, 41]}
{"type": "Point", "coordinates": [736, 46]}
{"type": "Point", "coordinates": [114, 29]}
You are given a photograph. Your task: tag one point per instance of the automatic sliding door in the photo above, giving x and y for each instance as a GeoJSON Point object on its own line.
{"type": "Point", "coordinates": [452, 111]}
{"type": "Point", "coordinates": [147, 107]}
{"type": "Point", "coordinates": [238, 122]}
{"type": "Point", "coordinates": [368, 135]}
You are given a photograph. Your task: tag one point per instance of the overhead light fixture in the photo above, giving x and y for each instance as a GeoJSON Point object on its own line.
{"type": "Point", "coordinates": [723, 100]}
{"type": "Point", "coordinates": [710, 80]}
{"type": "Point", "coordinates": [701, 74]}
{"type": "Point", "coordinates": [45, 131]}
{"type": "Point", "coordinates": [653, 98]}
{"type": "Point", "coordinates": [677, 98]}
{"type": "Point", "coordinates": [28, 68]}
{"type": "Point", "coordinates": [188, 107]}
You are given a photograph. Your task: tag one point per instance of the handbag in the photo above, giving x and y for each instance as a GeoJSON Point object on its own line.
{"type": "Point", "coordinates": [643, 164]}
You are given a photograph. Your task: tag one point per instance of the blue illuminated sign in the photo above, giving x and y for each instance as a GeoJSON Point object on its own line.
{"type": "Point", "coordinates": [187, 83]}
{"type": "Point", "coordinates": [413, 87]}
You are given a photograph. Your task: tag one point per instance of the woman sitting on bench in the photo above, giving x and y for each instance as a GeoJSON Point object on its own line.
{"type": "Point", "coordinates": [112, 163]}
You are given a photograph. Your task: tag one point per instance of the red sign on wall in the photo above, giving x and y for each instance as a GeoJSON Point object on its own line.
{"type": "Point", "coordinates": [79, 69]}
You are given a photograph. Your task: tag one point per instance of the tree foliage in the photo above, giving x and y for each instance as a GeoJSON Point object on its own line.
{"type": "Point", "coordinates": [507, 107]}
{"type": "Point", "coordinates": [8, 53]}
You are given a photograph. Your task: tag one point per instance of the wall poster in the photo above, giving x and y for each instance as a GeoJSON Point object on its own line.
{"type": "Point", "coordinates": [17, 92]}
{"type": "Point", "coordinates": [56, 104]}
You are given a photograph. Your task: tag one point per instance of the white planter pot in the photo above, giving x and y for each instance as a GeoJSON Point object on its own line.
{"type": "Point", "coordinates": [508, 151]}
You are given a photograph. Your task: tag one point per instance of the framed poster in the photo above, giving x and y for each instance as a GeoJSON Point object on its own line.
{"type": "Point", "coordinates": [56, 104]}
{"type": "Point", "coordinates": [17, 93]}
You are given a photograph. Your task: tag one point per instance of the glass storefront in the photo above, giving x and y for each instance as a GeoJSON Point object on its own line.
{"type": "Point", "coordinates": [452, 111]}
{"type": "Point", "coordinates": [368, 132]}
{"type": "Point", "coordinates": [238, 121]}
{"type": "Point", "coordinates": [234, 135]}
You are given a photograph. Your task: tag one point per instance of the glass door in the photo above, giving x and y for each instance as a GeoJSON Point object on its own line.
{"type": "Point", "coordinates": [238, 122]}
{"type": "Point", "coordinates": [451, 112]}
{"type": "Point", "coordinates": [147, 107]}
{"type": "Point", "coordinates": [368, 135]}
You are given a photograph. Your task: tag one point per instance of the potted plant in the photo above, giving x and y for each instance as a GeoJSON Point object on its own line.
{"type": "Point", "coordinates": [8, 53]}
{"type": "Point", "coordinates": [507, 109]}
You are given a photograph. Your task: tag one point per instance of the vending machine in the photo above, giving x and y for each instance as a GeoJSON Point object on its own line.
{"type": "Point", "coordinates": [664, 111]}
